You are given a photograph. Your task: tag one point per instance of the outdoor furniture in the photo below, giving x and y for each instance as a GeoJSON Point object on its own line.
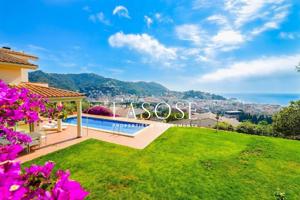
{"type": "Point", "coordinates": [36, 140]}
{"type": "Point", "coordinates": [6, 142]}
{"type": "Point", "coordinates": [43, 136]}
{"type": "Point", "coordinates": [52, 126]}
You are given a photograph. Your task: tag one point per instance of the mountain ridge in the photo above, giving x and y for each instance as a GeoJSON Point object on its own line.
{"type": "Point", "coordinates": [94, 85]}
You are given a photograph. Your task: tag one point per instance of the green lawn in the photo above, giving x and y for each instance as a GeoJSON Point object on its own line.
{"type": "Point", "coordinates": [186, 163]}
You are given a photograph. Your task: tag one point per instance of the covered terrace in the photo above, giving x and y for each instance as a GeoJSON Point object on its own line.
{"type": "Point", "coordinates": [59, 96]}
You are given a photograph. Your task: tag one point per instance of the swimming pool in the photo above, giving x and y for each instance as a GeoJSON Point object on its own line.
{"type": "Point", "coordinates": [115, 126]}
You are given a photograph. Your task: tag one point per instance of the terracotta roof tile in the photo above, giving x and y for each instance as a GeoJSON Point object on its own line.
{"type": "Point", "coordinates": [49, 92]}
{"type": "Point", "coordinates": [6, 58]}
{"type": "Point", "coordinates": [8, 51]}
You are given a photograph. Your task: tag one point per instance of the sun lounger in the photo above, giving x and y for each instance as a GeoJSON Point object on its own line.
{"type": "Point", "coordinates": [52, 126]}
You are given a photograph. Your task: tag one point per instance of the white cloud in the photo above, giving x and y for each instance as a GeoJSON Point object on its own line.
{"type": "Point", "coordinates": [267, 14]}
{"type": "Point", "coordinates": [148, 20]}
{"type": "Point", "coordinates": [246, 11]}
{"type": "Point", "coordinates": [218, 19]}
{"type": "Point", "coordinates": [198, 4]}
{"type": "Point", "coordinates": [228, 37]}
{"type": "Point", "coordinates": [121, 11]}
{"type": "Point", "coordinates": [289, 36]}
{"type": "Point", "coordinates": [239, 21]}
{"type": "Point", "coordinates": [264, 27]}
{"type": "Point", "coordinates": [162, 18]}
{"type": "Point", "coordinates": [273, 22]}
{"type": "Point", "coordinates": [254, 68]}
{"type": "Point", "coordinates": [225, 39]}
{"type": "Point", "coordinates": [99, 17]}
{"type": "Point", "coordinates": [194, 54]}
{"type": "Point", "coordinates": [144, 44]}
{"type": "Point", "coordinates": [189, 32]}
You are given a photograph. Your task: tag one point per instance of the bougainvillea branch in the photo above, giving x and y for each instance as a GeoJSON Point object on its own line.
{"type": "Point", "coordinates": [100, 110]}
{"type": "Point", "coordinates": [37, 182]}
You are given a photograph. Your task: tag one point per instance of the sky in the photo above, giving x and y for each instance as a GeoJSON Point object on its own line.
{"type": "Point", "coordinates": [220, 46]}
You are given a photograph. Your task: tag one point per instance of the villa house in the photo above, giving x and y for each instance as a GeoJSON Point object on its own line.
{"type": "Point", "coordinates": [14, 69]}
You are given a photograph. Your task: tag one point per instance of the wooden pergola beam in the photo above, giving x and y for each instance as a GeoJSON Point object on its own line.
{"type": "Point", "coordinates": [79, 118]}
{"type": "Point", "coordinates": [78, 101]}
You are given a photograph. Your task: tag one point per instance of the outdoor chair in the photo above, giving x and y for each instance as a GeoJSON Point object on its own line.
{"type": "Point", "coordinates": [36, 140]}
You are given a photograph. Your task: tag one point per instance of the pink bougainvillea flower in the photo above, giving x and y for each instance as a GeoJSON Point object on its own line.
{"type": "Point", "coordinates": [11, 182]}
{"type": "Point", "coordinates": [36, 170]}
{"type": "Point", "coordinates": [14, 137]}
{"type": "Point", "coordinates": [9, 152]}
{"type": "Point", "coordinates": [66, 188]}
{"type": "Point", "coordinates": [37, 182]}
{"type": "Point", "coordinates": [100, 110]}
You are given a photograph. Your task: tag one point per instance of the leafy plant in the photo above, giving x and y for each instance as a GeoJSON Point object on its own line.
{"type": "Point", "coordinates": [224, 126]}
{"type": "Point", "coordinates": [37, 182]}
{"type": "Point", "coordinates": [279, 195]}
{"type": "Point", "coordinates": [262, 128]}
{"type": "Point", "coordinates": [287, 121]}
{"type": "Point", "coordinates": [100, 110]}
{"type": "Point", "coordinates": [56, 111]}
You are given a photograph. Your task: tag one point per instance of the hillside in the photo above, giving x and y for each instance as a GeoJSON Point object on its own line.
{"type": "Point", "coordinates": [94, 85]}
{"type": "Point", "coordinates": [201, 95]}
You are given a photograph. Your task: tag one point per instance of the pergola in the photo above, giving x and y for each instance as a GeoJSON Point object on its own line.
{"type": "Point", "coordinates": [58, 95]}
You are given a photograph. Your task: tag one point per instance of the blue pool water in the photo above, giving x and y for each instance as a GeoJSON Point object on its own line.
{"type": "Point", "coordinates": [127, 128]}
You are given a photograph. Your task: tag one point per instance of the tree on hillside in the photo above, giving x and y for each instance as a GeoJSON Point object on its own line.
{"type": "Point", "coordinates": [287, 121]}
{"type": "Point", "coordinates": [217, 118]}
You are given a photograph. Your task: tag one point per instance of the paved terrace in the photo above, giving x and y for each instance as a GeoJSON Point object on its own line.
{"type": "Point", "coordinates": [60, 140]}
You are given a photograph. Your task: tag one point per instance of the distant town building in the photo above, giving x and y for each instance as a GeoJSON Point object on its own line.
{"type": "Point", "coordinates": [208, 120]}
{"type": "Point", "coordinates": [232, 114]}
{"type": "Point", "coordinates": [127, 112]}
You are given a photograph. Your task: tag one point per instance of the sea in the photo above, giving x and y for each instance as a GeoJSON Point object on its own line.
{"type": "Point", "coordinates": [277, 99]}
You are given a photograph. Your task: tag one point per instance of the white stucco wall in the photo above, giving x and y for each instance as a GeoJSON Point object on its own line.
{"type": "Point", "coordinates": [13, 74]}
{"type": "Point", "coordinates": [10, 75]}
{"type": "Point", "coordinates": [24, 74]}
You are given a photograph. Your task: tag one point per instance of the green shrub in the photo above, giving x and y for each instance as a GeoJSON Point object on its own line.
{"type": "Point", "coordinates": [85, 105]}
{"type": "Point", "coordinates": [279, 195]}
{"type": "Point", "coordinates": [287, 121]}
{"type": "Point", "coordinates": [246, 127]}
{"type": "Point", "coordinates": [263, 128]}
{"type": "Point", "coordinates": [224, 126]}
{"type": "Point", "coordinates": [71, 107]}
